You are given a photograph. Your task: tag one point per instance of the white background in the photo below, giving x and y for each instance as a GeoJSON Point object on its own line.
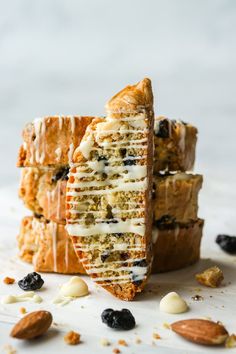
{"type": "Point", "coordinates": [59, 56]}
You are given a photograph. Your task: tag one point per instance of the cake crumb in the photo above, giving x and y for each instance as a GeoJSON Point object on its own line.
{"type": "Point", "coordinates": [22, 310]}
{"type": "Point", "coordinates": [156, 336]}
{"type": "Point", "coordinates": [166, 325]}
{"type": "Point", "coordinates": [138, 340]}
{"type": "Point", "coordinates": [72, 338]}
{"type": "Point", "coordinates": [122, 342]}
{"type": "Point", "coordinates": [8, 280]}
{"type": "Point", "coordinates": [105, 342]}
{"type": "Point", "coordinates": [211, 277]}
{"type": "Point", "coordinates": [116, 351]}
{"type": "Point", "coordinates": [231, 341]}
{"type": "Point", "coordinates": [197, 298]}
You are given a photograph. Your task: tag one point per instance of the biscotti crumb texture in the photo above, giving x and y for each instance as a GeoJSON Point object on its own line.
{"type": "Point", "coordinates": [109, 214]}
{"type": "Point", "coordinates": [47, 245]}
{"type": "Point", "coordinates": [51, 141]}
{"type": "Point", "coordinates": [175, 145]}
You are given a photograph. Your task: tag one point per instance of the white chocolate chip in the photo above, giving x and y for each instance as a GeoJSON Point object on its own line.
{"type": "Point", "coordinates": [76, 287]}
{"type": "Point", "coordinates": [173, 303]}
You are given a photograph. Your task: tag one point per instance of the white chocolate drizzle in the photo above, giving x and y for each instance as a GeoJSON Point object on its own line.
{"type": "Point", "coordinates": [121, 176]}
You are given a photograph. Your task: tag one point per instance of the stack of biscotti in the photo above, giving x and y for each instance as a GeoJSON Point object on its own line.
{"type": "Point", "coordinates": [45, 156]}
{"type": "Point", "coordinates": [177, 230]}
{"type": "Point", "coordinates": [48, 146]}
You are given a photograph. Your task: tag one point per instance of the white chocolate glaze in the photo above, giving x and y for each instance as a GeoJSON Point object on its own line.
{"type": "Point", "coordinates": [102, 179]}
{"type": "Point", "coordinates": [27, 296]}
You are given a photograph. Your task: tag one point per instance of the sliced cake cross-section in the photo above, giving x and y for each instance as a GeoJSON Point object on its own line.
{"type": "Point", "coordinates": [109, 209]}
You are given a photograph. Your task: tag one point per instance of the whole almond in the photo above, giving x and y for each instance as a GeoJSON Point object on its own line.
{"type": "Point", "coordinates": [201, 331]}
{"type": "Point", "coordinates": [32, 325]}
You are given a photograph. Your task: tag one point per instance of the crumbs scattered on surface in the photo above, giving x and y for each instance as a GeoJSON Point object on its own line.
{"type": "Point", "coordinates": [138, 340]}
{"type": "Point", "coordinates": [211, 277]}
{"type": "Point", "coordinates": [8, 280]}
{"type": "Point", "coordinates": [122, 342]}
{"type": "Point", "coordinates": [72, 338]}
{"type": "Point", "coordinates": [116, 351]}
{"type": "Point", "coordinates": [156, 336]}
{"type": "Point", "coordinates": [197, 297]}
{"type": "Point", "coordinates": [22, 310]}
{"type": "Point", "coordinates": [166, 325]}
{"type": "Point", "coordinates": [231, 341]}
{"type": "Point", "coordinates": [105, 342]}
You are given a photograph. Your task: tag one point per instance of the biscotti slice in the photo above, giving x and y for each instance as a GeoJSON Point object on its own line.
{"type": "Point", "coordinates": [175, 197]}
{"type": "Point", "coordinates": [43, 190]}
{"type": "Point", "coordinates": [48, 246]}
{"type": "Point", "coordinates": [109, 209]}
{"type": "Point", "coordinates": [176, 246]}
{"type": "Point", "coordinates": [51, 141]}
{"type": "Point", "coordinates": [175, 145]}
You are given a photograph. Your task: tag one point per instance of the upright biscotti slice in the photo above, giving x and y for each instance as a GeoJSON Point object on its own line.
{"type": "Point", "coordinates": [51, 141]}
{"type": "Point", "coordinates": [48, 246]}
{"type": "Point", "coordinates": [175, 145]}
{"type": "Point", "coordinates": [109, 209]}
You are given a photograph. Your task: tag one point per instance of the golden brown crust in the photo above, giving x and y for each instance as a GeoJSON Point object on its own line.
{"type": "Point", "coordinates": [135, 98]}
{"type": "Point", "coordinates": [51, 141]}
{"type": "Point", "coordinates": [47, 246]}
{"type": "Point", "coordinates": [43, 191]}
{"type": "Point", "coordinates": [176, 197]}
{"type": "Point", "coordinates": [172, 250]}
{"type": "Point", "coordinates": [176, 246]}
{"type": "Point", "coordinates": [26, 240]}
{"type": "Point", "coordinates": [175, 145]}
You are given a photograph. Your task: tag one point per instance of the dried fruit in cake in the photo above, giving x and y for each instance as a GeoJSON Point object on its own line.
{"type": "Point", "coordinates": [175, 145]}
{"type": "Point", "coordinates": [227, 243]}
{"type": "Point", "coordinates": [121, 320]}
{"type": "Point", "coordinates": [109, 209]}
{"type": "Point", "coordinates": [31, 281]}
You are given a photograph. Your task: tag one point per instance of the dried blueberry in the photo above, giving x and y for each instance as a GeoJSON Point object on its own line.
{"type": "Point", "coordinates": [163, 129]}
{"type": "Point", "coordinates": [105, 314]}
{"type": "Point", "coordinates": [32, 281]}
{"type": "Point", "coordinates": [129, 162]}
{"type": "Point", "coordinates": [123, 152]}
{"type": "Point", "coordinates": [61, 174]}
{"type": "Point", "coordinates": [141, 263]}
{"type": "Point", "coordinates": [105, 255]}
{"type": "Point", "coordinates": [165, 221]}
{"type": "Point", "coordinates": [123, 320]}
{"type": "Point", "coordinates": [109, 212]}
{"type": "Point", "coordinates": [118, 234]}
{"type": "Point", "coordinates": [37, 216]}
{"type": "Point", "coordinates": [102, 158]}
{"type": "Point", "coordinates": [227, 243]}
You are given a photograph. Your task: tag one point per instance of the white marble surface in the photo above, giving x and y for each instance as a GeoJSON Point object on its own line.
{"type": "Point", "coordinates": [83, 314]}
